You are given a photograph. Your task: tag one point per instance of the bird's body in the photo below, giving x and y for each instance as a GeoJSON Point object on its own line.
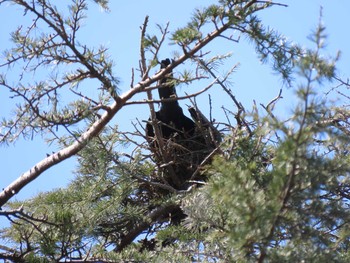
{"type": "Point", "coordinates": [171, 118]}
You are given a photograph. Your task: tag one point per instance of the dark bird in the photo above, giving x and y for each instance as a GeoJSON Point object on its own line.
{"type": "Point", "coordinates": [171, 118]}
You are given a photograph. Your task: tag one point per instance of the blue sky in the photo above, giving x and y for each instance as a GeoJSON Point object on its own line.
{"type": "Point", "coordinates": [119, 31]}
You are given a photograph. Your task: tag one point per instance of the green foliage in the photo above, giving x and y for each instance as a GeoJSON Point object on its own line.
{"type": "Point", "coordinates": [298, 211]}
{"type": "Point", "coordinates": [186, 36]}
{"type": "Point", "coordinates": [277, 190]}
{"type": "Point", "coordinates": [103, 4]}
{"type": "Point", "coordinates": [49, 49]}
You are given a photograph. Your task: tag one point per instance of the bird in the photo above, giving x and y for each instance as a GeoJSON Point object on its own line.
{"type": "Point", "coordinates": [172, 121]}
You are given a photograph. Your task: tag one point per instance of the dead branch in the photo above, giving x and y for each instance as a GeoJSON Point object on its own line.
{"type": "Point", "coordinates": [154, 121]}
{"type": "Point", "coordinates": [221, 83]}
{"type": "Point", "coordinates": [152, 101]}
{"type": "Point", "coordinates": [204, 162]}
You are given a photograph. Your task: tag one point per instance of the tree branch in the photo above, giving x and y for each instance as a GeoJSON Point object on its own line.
{"type": "Point", "coordinates": [148, 221]}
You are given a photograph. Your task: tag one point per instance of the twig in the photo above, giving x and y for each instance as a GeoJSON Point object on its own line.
{"type": "Point", "coordinates": [273, 101]}
{"type": "Point", "coordinates": [152, 101]}
{"type": "Point", "coordinates": [157, 184]}
{"type": "Point", "coordinates": [205, 160]}
{"type": "Point", "coordinates": [228, 91]}
{"type": "Point", "coordinates": [154, 121]}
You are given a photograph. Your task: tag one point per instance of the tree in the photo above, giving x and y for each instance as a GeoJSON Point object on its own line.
{"type": "Point", "coordinates": [270, 190]}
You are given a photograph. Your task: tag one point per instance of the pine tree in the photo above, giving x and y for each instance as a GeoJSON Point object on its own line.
{"type": "Point", "coordinates": [272, 189]}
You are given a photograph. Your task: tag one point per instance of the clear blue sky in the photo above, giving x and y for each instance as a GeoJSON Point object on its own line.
{"type": "Point", "coordinates": [119, 30]}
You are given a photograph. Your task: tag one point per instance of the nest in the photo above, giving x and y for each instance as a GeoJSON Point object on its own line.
{"type": "Point", "coordinates": [181, 157]}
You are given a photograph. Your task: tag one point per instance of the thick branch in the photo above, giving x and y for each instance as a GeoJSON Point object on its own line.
{"type": "Point", "coordinates": [152, 217]}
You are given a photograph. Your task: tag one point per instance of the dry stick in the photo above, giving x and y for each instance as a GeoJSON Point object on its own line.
{"type": "Point", "coordinates": [228, 91]}
{"type": "Point", "coordinates": [205, 161]}
{"type": "Point", "coordinates": [149, 101]}
{"type": "Point", "coordinates": [154, 121]}
{"type": "Point", "coordinates": [156, 184]}
{"type": "Point", "coordinates": [270, 106]}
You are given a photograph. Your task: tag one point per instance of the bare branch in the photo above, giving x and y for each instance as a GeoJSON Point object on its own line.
{"type": "Point", "coordinates": [152, 101]}
{"type": "Point", "coordinates": [221, 83]}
